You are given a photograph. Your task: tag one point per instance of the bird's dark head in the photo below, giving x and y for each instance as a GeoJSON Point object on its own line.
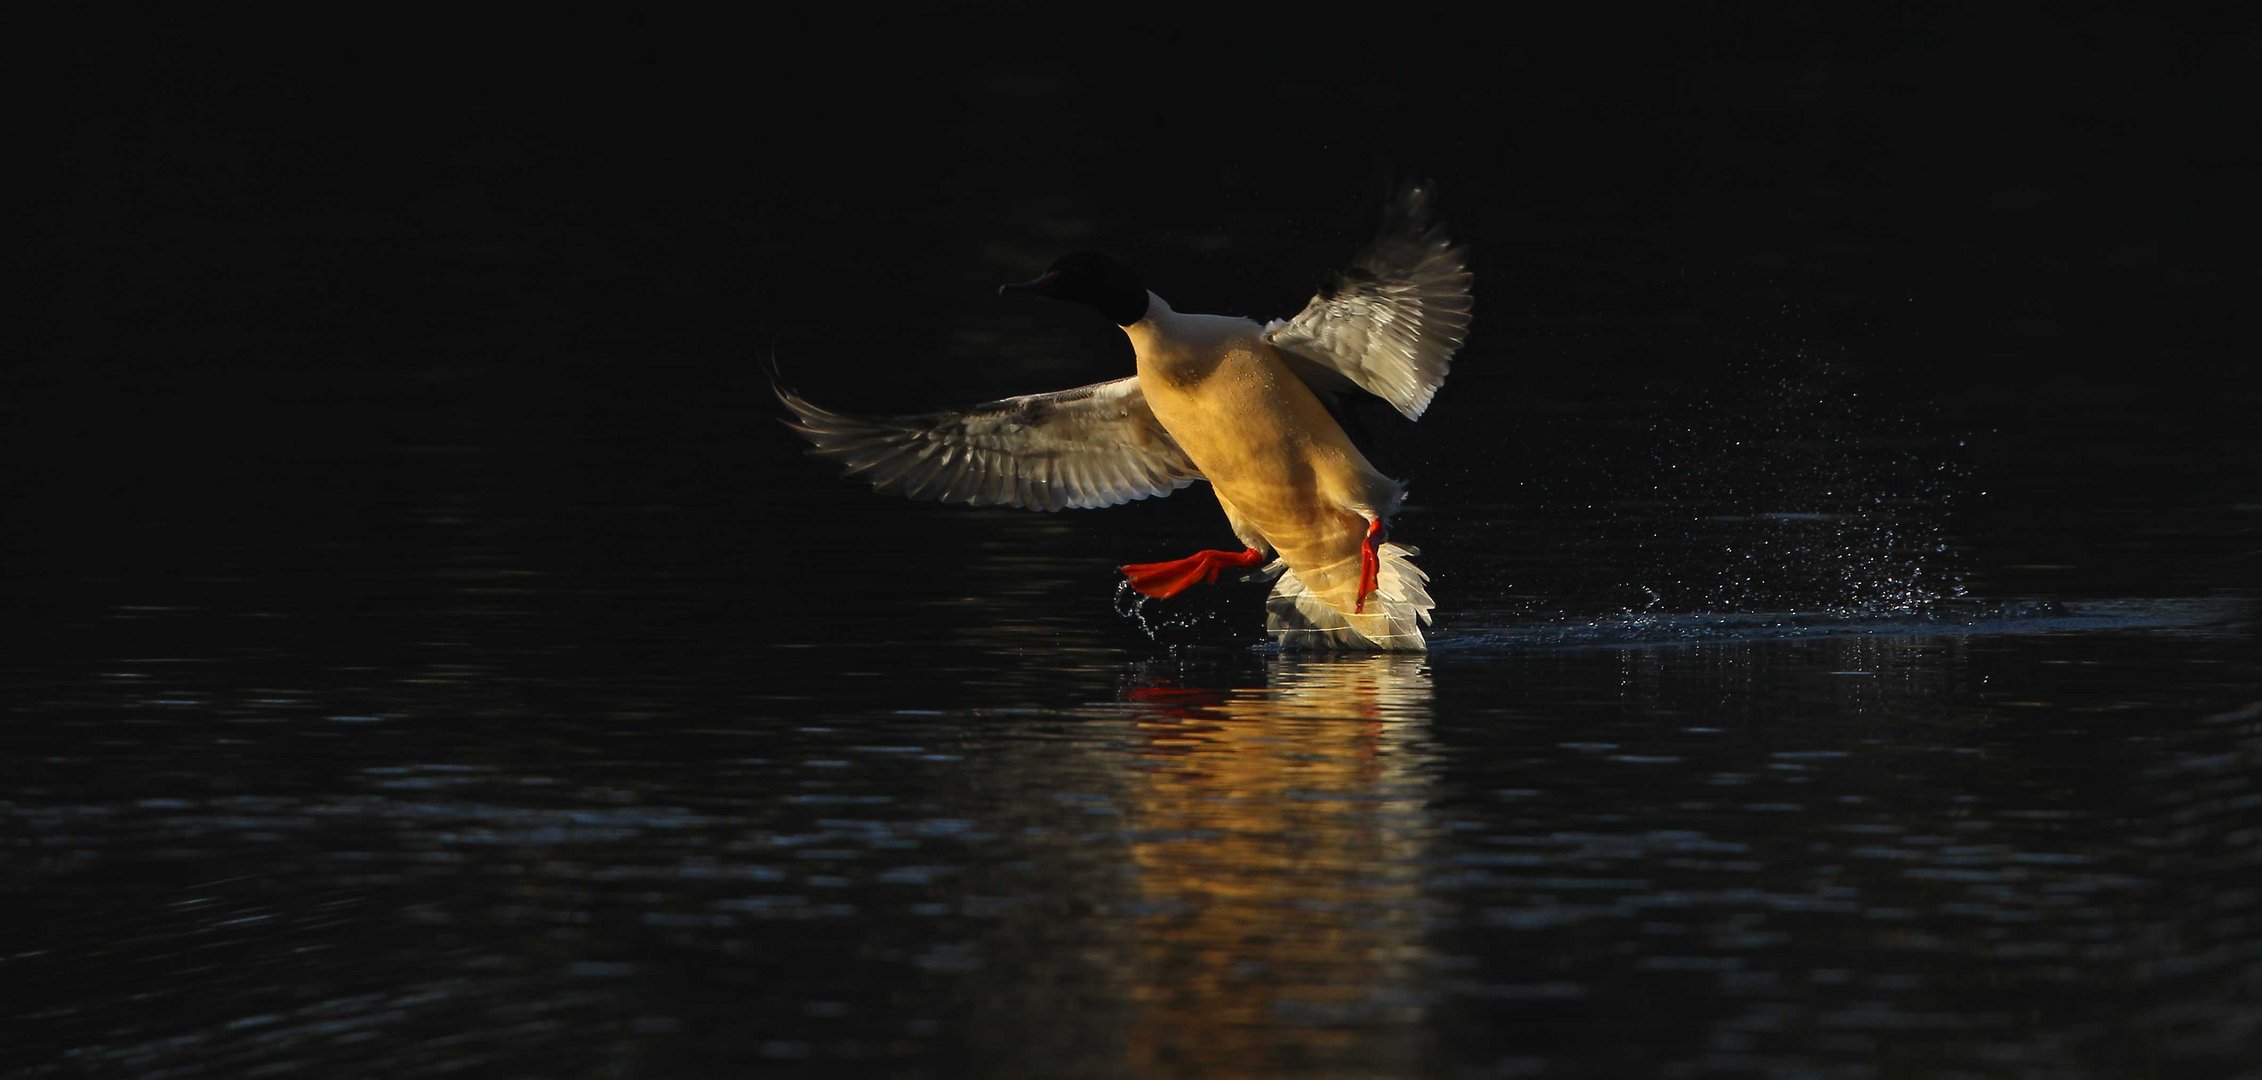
{"type": "Point", "coordinates": [1089, 277]}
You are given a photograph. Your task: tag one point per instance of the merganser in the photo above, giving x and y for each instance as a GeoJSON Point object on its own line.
{"type": "Point", "coordinates": [1222, 399]}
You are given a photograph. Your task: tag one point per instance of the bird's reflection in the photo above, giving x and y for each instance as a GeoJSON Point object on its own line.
{"type": "Point", "coordinates": [1277, 826]}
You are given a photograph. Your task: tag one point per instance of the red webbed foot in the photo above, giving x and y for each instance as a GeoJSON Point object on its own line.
{"type": "Point", "coordinates": [1370, 565]}
{"type": "Point", "coordinates": [1166, 579]}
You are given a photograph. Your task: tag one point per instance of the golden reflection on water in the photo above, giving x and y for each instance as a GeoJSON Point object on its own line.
{"type": "Point", "coordinates": [1277, 833]}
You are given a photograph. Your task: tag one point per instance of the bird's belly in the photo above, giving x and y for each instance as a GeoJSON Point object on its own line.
{"type": "Point", "coordinates": [1279, 464]}
{"type": "Point", "coordinates": [1323, 544]}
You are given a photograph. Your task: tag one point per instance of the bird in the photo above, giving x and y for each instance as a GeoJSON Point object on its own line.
{"type": "Point", "coordinates": [1248, 408]}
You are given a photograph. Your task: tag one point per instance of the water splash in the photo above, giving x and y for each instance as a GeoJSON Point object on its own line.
{"type": "Point", "coordinates": [1784, 490]}
{"type": "Point", "coordinates": [1158, 621]}
{"type": "Point", "coordinates": [1132, 604]}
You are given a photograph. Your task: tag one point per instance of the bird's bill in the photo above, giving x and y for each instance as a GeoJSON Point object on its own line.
{"type": "Point", "coordinates": [1036, 284]}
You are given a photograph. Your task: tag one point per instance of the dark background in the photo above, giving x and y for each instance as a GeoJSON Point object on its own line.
{"type": "Point", "coordinates": [280, 275]}
{"type": "Point", "coordinates": [420, 625]}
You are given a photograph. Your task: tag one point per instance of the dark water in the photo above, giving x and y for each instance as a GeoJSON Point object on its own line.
{"type": "Point", "coordinates": [428, 655]}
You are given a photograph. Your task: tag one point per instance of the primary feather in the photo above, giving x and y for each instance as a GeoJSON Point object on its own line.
{"type": "Point", "coordinates": [1391, 321]}
{"type": "Point", "coordinates": [1092, 446]}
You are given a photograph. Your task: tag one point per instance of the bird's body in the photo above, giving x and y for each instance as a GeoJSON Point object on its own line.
{"type": "Point", "coordinates": [1224, 399]}
{"type": "Point", "coordinates": [1284, 471]}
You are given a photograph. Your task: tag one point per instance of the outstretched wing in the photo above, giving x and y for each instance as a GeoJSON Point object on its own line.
{"type": "Point", "coordinates": [1392, 320]}
{"type": "Point", "coordinates": [1096, 445]}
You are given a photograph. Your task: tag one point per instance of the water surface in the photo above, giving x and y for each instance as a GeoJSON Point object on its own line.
{"type": "Point", "coordinates": [487, 803]}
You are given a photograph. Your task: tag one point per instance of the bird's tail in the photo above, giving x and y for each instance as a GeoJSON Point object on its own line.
{"type": "Point", "coordinates": [1396, 611]}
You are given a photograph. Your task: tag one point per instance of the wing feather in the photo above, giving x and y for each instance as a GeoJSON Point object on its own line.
{"type": "Point", "coordinates": [1391, 321]}
{"type": "Point", "coordinates": [1097, 445]}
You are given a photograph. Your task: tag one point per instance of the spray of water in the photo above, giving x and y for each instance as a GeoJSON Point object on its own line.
{"type": "Point", "coordinates": [1780, 489]}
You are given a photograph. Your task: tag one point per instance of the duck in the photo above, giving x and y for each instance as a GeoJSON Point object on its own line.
{"type": "Point", "coordinates": [1249, 408]}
